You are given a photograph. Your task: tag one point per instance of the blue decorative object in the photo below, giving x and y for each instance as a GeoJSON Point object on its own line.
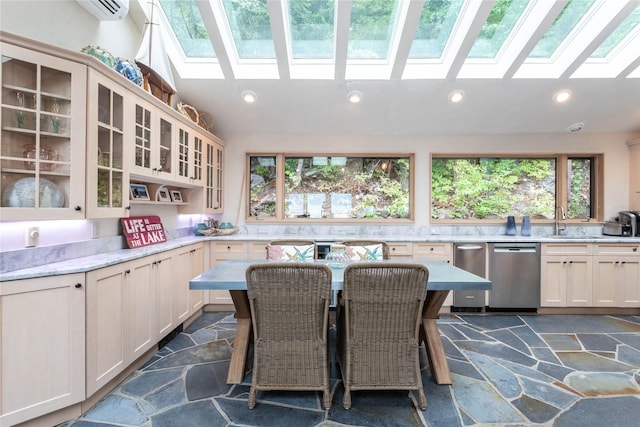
{"type": "Point", "coordinates": [101, 54]}
{"type": "Point", "coordinates": [197, 229]}
{"type": "Point", "coordinates": [226, 226]}
{"type": "Point", "coordinates": [130, 70]}
{"type": "Point", "coordinates": [511, 226]}
{"type": "Point", "coordinates": [526, 226]}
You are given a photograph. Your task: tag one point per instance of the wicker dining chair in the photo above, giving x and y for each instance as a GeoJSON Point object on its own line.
{"type": "Point", "coordinates": [378, 334]}
{"type": "Point", "coordinates": [289, 303]}
{"type": "Point", "coordinates": [292, 250]}
{"type": "Point", "coordinates": [367, 250]}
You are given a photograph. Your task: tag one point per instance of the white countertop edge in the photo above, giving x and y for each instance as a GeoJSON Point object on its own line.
{"type": "Point", "coordinates": [94, 262]}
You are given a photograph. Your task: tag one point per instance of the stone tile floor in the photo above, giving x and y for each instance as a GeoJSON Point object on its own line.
{"type": "Point", "coordinates": [508, 370]}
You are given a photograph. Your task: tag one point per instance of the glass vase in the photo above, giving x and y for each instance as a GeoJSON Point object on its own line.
{"type": "Point", "coordinates": [337, 256]}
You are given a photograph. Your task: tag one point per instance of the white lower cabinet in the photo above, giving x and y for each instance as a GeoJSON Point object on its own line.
{"type": "Point", "coordinates": [616, 276]}
{"type": "Point", "coordinates": [566, 281]}
{"type": "Point", "coordinates": [42, 346]}
{"type": "Point", "coordinates": [119, 319]}
{"type": "Point", "coordinates": [435, 252]}
{"type": "Point", "coordinates": [590, 275]}
{"type": "Point", "coordinates": [222, 251]}
{"type": "Point", "coordinates": [189, 264]}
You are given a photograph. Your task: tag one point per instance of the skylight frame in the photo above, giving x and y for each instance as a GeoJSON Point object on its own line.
{"type": "Point", "coordinates": [572, 58]}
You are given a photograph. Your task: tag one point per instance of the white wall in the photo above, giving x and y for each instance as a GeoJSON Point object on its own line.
{"type": "Point", "coordinates": [66, 24]}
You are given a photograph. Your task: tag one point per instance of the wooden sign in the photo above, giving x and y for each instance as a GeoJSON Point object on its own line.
{"type": "Point", "coordinates": [143, 230]}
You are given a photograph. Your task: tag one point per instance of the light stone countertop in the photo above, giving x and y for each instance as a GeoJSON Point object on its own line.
{"type": "Point", "coordinates": [93, 262]}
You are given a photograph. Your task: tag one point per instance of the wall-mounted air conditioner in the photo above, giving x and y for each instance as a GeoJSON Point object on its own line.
{"type": "Point", "coordinates": [106, 10]}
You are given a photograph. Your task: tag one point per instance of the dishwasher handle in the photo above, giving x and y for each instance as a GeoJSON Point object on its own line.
{"type": "Point", "coordinates": [469, 248]}
{"type": "Point", "coordinates": [515, 249]}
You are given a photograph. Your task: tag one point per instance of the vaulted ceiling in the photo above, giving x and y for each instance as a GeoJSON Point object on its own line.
{"type": "Point", "coordinates": [508, 58]}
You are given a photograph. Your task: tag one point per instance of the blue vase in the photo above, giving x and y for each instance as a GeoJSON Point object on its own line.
{"type": "Point", "coordinates": [511, 226]}
{"type": "Point", "coordinates": [526, 226]}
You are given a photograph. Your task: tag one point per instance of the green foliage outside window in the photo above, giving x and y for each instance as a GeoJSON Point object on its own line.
{"type": "Point", "coordinates": [492, 188]}
{"type": "Point", "coordinates": [331, 187]}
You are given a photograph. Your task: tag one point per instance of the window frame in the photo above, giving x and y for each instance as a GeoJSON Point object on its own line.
{"type": "Point", "coordinates": [280, 188]}
{"type": "Point", "coordinates": [561, 184]}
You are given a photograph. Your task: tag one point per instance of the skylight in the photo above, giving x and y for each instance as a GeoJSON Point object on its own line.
{"type": "Point", "coordinates": [186, 23]}
{"type": "Point", "coordinates": [371, 29]}
{"type": "Point", "coordinates": [312, 29]}
{"type": "Point", "coordinates": [436, 23]}
{"type": "Point", "coordinates": [250, 27]}
{"type": "Point", "coordinates": [408, 39]}
{"type": "Point", "coordinates": [572, 13]}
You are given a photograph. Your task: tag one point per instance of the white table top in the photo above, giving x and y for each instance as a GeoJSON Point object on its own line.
{"type": "Point", "coordinates": [230, 275]}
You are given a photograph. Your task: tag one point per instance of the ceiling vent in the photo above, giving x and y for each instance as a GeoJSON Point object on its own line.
{"type": "Point", "coordinates": [106, 10]}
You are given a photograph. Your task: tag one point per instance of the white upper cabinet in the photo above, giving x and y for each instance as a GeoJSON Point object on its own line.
{"type": "Point", "coordinates": [42, 149]}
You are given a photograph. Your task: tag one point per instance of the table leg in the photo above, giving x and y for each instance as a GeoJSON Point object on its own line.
{"type": "Point", "coordinates": [433, 342]}
{"type": "Point", "coordinates": [242, 339]}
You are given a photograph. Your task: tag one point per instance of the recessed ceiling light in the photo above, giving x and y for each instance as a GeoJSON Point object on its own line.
{"type": "Point", "coordinates": [249, 96]}
{"type": "Point", "coordinates": [562, 96]}
{"type": "Point", "coordinates": [575, 127]}
{"type": "Point", "coordinates": [456, 96]}
{"type": "Point", "coordinates": [354, 96]}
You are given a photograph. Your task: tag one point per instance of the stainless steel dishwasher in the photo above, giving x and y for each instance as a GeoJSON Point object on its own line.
{"type": "Point", "coordinates": [514, 271]}
{"type": "Point", "coordinates": [471, 257]}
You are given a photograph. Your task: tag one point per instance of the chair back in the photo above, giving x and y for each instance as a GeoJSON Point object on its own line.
{"type": "Point", "coordinates": [292, 250]}
{"type": "Point", "coordinates": [289, 304]}
{"type": "Point", "coordinates": [367, 250]}
{"type": "Point", "coordinates": [384, 301]}
{"type": "Point", "coordinates": [289, 300]}
{"type": "Point", "coordinates": [379, 326]}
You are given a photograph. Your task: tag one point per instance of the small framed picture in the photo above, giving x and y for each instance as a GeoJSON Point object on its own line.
{"type": "Point", "coordinates": [139, 192]}
{"type": "Point", "coordinates": [163, 195]}
{"type": "Point", "coordinates": [176, 196]}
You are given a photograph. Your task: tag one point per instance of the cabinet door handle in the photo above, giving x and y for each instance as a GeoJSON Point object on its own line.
{"type": "Point", "coordinates": [127, 271]}
{"type": "Point", "coordinates": [623, 262]}
{"type": "Point", "coordinates": [77, 208]}
{"type": "Point", "coordinates": [78, 285]}
{"type": "Point", "coordinates": [635, 249]}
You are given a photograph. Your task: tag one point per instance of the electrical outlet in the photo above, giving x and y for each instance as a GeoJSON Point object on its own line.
{"type": "Point", "coordinates": [32, 237]}
{"type": "Point", "coordinates": [95, 229]}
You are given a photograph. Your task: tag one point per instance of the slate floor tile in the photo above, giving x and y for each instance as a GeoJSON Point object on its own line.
{"type": "Point", "coordinates": [516, 370]}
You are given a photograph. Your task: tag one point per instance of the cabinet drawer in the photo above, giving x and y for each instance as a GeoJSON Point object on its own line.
{"type": "Point", "coordinates": [617, 249]}
{"type": "Point", "coordinates": [257, 250]}
{"type": "Point", "coordinates": [566, 249]}
{"type": "Point", "coordinates": [234, 248]}
{"type": "Point", "coordinates": [432, 249]}
{"type": "Point", "coordinates": [402, 248]}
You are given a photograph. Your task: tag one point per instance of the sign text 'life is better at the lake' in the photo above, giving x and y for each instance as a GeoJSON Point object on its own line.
{"type": "Point", "coordinates": [143, 230]}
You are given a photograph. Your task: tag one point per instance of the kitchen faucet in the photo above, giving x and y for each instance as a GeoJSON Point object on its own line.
{"type": "Point", "coordinates": [560, 226]}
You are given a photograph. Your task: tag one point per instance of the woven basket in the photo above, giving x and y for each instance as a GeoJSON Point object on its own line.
{"type": "Point", "coordinates": [219, 231]}
{"type": "Point", "coordinates": [188, 111]}
{"type": "Point", "coordinates": [205, 121]}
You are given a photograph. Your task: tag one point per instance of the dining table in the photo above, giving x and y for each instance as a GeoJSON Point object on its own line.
{"type": "Point", "coordinates": [230, 275]}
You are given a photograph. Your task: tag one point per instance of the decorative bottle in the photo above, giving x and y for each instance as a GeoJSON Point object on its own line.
{"type": "Point", "coordinates": [511, 226]}
{"type": "Point", "coordinates": [526, 226]}
{"type": "Point", "coordinates": [337, 256]}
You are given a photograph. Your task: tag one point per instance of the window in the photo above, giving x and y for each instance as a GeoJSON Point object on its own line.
{"type": "Point", "coordinates": [486, 188]}
{"type": "Point", "coordinates": [335, 187]}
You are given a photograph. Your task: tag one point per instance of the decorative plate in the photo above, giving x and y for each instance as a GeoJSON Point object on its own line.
{"type": "Point", "coordinates": [21, 194]}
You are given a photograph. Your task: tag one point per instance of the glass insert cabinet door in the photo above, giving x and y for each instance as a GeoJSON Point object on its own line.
{"type": "Point", "coordinates": [153, 143]}
{"type": "Point", "coordinates": [107, 178]}
{"type": "Point", "coordinates": [42, 152]}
